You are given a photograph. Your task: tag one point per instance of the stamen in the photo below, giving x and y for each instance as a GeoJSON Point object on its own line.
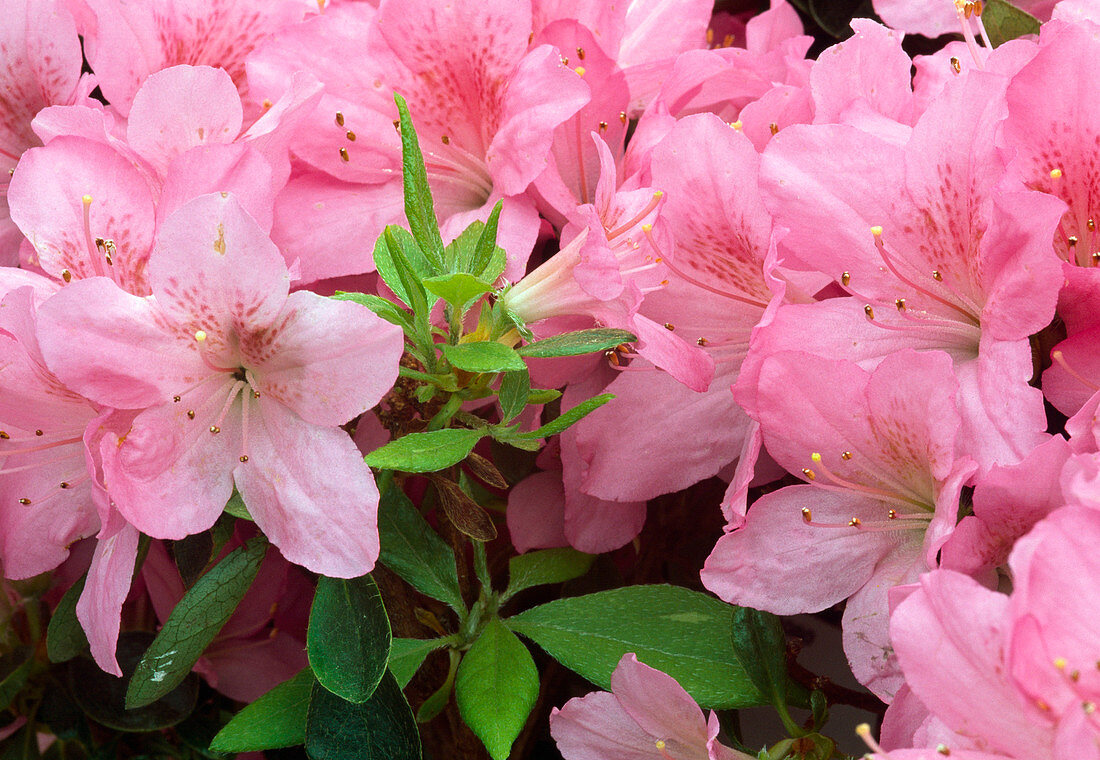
{"type": "Point", "coordinates": [339, 119]}
{"type": "Point", "coordinates": [956, 66]}
{"type": "Point", "coordinates": [774, 128]}
{"type": "Point", "coordinates": [670, 327]}
{"type": "Point", "coordinates": [637, 218]}
{"type": "Point", "coordinates": [344, 155]}
{"type": "Point", "coordinates": [876, 231]}
{"type": "Point", "coordinates": [838, 483]}
{"type": "Point", "coordinates": [660, 744]}
{"type": "Point", "coordinates": [97, 261]}
{"type": "Point", "coordinates": [737, 125]}
{"type": "Point", "coordinates": [622, 117]}
{"type": "Point", "coordinates": [350, 135]}
{"type": "Point", "coordinates": [580, 53]}
{"type": "Point", "coordinates": [66, 275]}
{"type": "Point", "coordinates": [1060, 360]}
{"type": "Point", "coordinates": [845, 278]}
{"type": "Point", "coordinates": [863, 730]}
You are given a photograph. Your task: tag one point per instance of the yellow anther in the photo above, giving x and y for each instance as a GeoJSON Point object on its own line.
{"type": "Point", "coordinates": [845, 278]}
{"type": "Point", "coordinates": [580, 71]}
{"type": "Point", "coordinates": [647, 228]}
{"type": "Point", "coordinates": [660, 743]}
{"type": "Point", "coordinates": [658, 194]}
{"type": "Point", "coordinates": [200, 335]}
{"type": "Point", "coordinates": [1060, 663]}
{"type": "Point", "coordinates": [816, 456]}
{"type": "Point", "coordinates": [86, 200]}
{"type": "Point", "coordinates": [1055, 173]}
{"type": "Point", "coordinates": [877, 230]}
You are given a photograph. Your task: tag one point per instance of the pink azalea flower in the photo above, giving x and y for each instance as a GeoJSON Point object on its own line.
{"type": "Point", "coordinates": [937, 249]}
{"type": "Point", "coordinates": [40, 63]}
{"type": "Point", "coordinates": [878, 452]}
{"type": "Point", "coordinates": [90, 202]}
{"type": "Point", "coordinates": [485, 119]}
{"type": "Point", "coordinates": [645, 716]}
{"type": "Point", "coordinates": [238, 383]}
{"type": "Point", "coordinates": [720, 235]}
{"type": "Point", "coordinates": [46, 491]}
{"type": "Point", "coordinates": [933, 18]}
{"type": "Point", "coordinates": [126, 42]}
{"type": "Point", "coordinates": [1012, 675]}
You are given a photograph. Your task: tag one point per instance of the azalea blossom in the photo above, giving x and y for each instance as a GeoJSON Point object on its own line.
{"type": "Point", "coordinates": [225, 367]}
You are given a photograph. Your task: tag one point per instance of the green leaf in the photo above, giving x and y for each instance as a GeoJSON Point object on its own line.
{"type": "Point", "coordinates": [414, 551]}
{"type": "Point", "coordinates": [1004, 21]}
{"type": "Point", "coordinates": [419, 207]}
{"type": "Point", "coordinates": [486, 356]}
{"type": "Point", "coordinates": [426, 452]}
{"type": "Point", "coordinates": [486, 249]}
{"type": "Point", "coordinates": [407, 655]}
{"type": "Point", "coordinates": [565, 419]}
{"type": "Point", "coordinates": [761, 647]}
{"type": "Point", "coordinates": [546, 566]}
{"type": "Point", "coordinates": [543, 395]}
{"type": "Point", "coordinates": [681, 632]}
{"type": "Point", "coordinates": [275, 720]}
{"type": "Point", "coordinates": [383, 307]}
{"type": "Point", "coordinates": [401, 265]}
{"type": "Point", "coordinates": [496, 688]}
{"type": "Point", "coordinates": [515, 388]}
{"type": "Point", "coordinates": [348, 639]}
{"type": "Point", "coordinates": [15, 668]}
{"type": "Point", "coordinates": [192, 554]}
{"type": "Point", "coordinates": [235, 507]}
{"type": "Point", "coordinates": [102, 696]}
{"type": "Point", "coordinates": [577, 343]}
{"type": "Point", "coordinates": [194, 623]}
{"type": "Point", "coordinates": [65, 638]}
{"type": "Point", "coordinates": [382, 728]}
{"type": "Point", "coordinates": [457, 289]}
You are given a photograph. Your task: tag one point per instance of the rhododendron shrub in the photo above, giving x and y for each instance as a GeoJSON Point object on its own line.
{"type": "Point", "coordinates": [539, 379]}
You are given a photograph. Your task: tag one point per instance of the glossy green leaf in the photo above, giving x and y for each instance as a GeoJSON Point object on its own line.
{"type": "Point", "coordinates": [382, 728]}
{"type": "Point", "coordinates": [457, 289]}
{"type": "Point", "coordinates": [543, 395]}
{"type": "Point", "coordinates": [496, 687]}
{"type": "Point", "coordinates": [15, 668]}
{"type": "Point", "coordinates": [547, 566]}
{"type": "Point", "coordinates": [407, 655]}
{"type": "Point", "coordinates": [275, 720]}
{"type": "Point", "coordinates": [383, 307]}
{"type": "Point", "coordinates": [65, 637]}
{"type": "Point", "coordinates": [102, 696]}
{"type": "Point", "coordinates": [194, 623]}
{"type": "Point", "coordinates": [419, 207]}
{"type": "Point", "coordinates": [761, 647]}
{"type": "Point", "coordinates": [515, 387]}
{"type": "Point", "coordinates": [426, 452]}
{"type": "Point", "coordinates": [681, 632]}
{"type": "Point", "coordinates": [565, 419]}
{"type": "Point", "coordinates": [414, 551]}
{"type": "Point", "coordinates": [348, 640]}
{"type": "Point", "coordinates": [577, 343]}
{"type": "Point", "coordinates": [486, 356]}
{"type": "Point", "coordinates": [1004, 21]}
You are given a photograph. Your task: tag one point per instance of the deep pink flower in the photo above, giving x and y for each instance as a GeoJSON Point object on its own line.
{"type": "Point", "coordinates": [239, 384]}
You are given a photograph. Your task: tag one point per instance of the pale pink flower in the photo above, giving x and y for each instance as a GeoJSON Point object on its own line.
{"type": "Point", "coordinates": [239, 383]}
{"type": "Point", "coordinates": [645, 716]}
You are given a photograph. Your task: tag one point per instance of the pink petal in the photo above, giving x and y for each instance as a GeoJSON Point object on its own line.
{"type": "Point", "coordinates": [128, 360]}
{"type": "Point", "coordinates": [536, 512]}
{"type": "Point", "coordinates": [216, 270]}
{"type": "Point", "coordinates": [948, 637]}
{"type": "Point", "coordinates": [596, 727]}
{"type": "Point", "coordinates": [310, 492]}
{"type": "Point", "coordinates": [99, 608]}
{"type": "Point", "coordinates": [776, 562]}
{"type": "Point", "coordinates": [238, 169]}
{"type": "Point", "coordinates": [46, 196]}
{"type": "Point", "coordinates": [339, 347]}
{"type": "Point", "coordinates": [659, 705]}
{"type": "Point", "coordinates": [180, 108]}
